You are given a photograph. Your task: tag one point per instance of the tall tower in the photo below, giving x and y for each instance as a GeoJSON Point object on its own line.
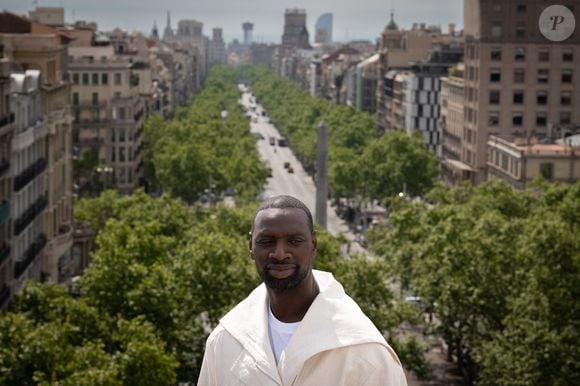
{"type": "Point", "coordinates": [248, 27]}
{"type": "Point", "coordinates": [295, 31]}
{"type": "Point", "coordinates": [323, 29]}
{"type": "Point", "coordinates": [168, 32]}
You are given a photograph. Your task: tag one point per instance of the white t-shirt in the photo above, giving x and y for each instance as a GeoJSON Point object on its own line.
{"type": "Point", "coordinates": [280, 334]}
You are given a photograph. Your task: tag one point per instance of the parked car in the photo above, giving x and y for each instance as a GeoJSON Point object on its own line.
{"type": "Point", "coordinates": [290, 169]}
{"type": "Point", "coordinates": [286, 165]}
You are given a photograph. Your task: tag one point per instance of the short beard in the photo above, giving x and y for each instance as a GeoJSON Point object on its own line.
{"type": "Point", "coordinates": [281, 285]}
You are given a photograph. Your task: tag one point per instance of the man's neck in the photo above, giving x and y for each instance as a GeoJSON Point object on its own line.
{"type": "Point", "coordinates": [291, 306]}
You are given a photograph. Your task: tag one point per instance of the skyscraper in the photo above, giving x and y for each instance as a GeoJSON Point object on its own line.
{"type": "Point", "coordinates": [323, 29]}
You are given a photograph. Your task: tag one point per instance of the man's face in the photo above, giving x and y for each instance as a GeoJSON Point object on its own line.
{"type": "Point", "coordinates": [283, 247]}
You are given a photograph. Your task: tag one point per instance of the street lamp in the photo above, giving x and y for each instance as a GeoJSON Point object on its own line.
{"type": "Point", "coordinates": [105, 170]}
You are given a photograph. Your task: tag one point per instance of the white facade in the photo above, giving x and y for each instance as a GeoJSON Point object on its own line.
{"type": "Point", "coordinates": [28, 165]}
{"type": "Point", "coordinates": [422, 107]}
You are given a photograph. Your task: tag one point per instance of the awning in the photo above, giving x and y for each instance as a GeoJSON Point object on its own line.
{"type": "Point", "coordinates": [458, 165]}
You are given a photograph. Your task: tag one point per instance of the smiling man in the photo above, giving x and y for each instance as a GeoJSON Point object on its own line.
{"type": "Point", "coordinates": [299, 327]}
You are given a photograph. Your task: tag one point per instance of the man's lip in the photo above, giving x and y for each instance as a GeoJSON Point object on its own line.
{"type": "Point", "coordinates": [281, 271]}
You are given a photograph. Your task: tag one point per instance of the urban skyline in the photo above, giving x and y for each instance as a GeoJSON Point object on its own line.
{"type": "Point", "coordinates": [352, 21]}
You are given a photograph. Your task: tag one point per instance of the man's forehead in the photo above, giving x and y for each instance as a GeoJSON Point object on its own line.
{"type": "Point", "coordinates": [281, 216]}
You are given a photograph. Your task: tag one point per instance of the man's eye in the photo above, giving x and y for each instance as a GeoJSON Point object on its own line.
{"type": "Point", "coordinates": [295, 241]}
{"type": "Point", "coordinates": [264, 242]}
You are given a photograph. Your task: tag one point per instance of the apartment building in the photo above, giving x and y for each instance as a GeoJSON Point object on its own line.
{"type": "Point", "coordinates": [517, 82]}
{"type": "Point", "coordinates": [451, 126]}
{"type": "Point", "coordinates": [41, 162]}
{"type": "Point", "coordinates": [416, 104]}
{"type": "Point", "coordinates": [217, 48]}
{"type": "Point", "coordinates": [366, 84]}
{"type": "Point", "coordinates": [518, 160]}
{"type": "Point", "coordinates": [30, 185]}
{"type": "Point", "coordinates": [400, 48]}
{"type": "Point", "coordinates": [108, 114]}
{"type": "Point", "coordinates": [6, 135]}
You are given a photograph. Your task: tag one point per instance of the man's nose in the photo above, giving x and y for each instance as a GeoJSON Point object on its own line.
{"type": "Point", "coordinates": [279, 251]}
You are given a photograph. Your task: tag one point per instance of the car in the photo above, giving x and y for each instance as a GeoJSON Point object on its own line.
{"type": "Point", "coordinates": [258, 136]}
{"type": "Point", "coordinates": [290, 169]}
{"type": "Point", "coordinates": [286, 165]}
{"type": "Point", "coordinates": [272, 141]}
{"type": "Point", "coordinates": [269, 172]}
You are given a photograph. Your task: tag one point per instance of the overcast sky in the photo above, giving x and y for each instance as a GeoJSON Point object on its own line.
{"type": "Point", "coordinates": [353, 19]}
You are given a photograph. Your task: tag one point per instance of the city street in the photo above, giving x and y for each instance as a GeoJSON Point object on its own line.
{"type": "Point", "coordinates": [298, 184]}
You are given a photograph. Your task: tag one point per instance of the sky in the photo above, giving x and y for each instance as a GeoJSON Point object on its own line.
{"type": "Point", "coordinates": [353, 19]}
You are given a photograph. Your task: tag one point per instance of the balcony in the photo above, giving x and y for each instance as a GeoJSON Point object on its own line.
{"type": "Point", "coordinates": [4, 211]}
{"type": "Point", "coordinates": [4, 166]}
{"type": "Point", "coordinates": [30, 214]}
{"type": "Point", "coordinates": [4, 295]}
{"type": "Point", "coordinates": [4, 252]}
{"type": "Point", "coordinates": [29, 255]}
{"type": "Point", "coordinates": [6, 119]}
{"type": "Point", "coordinates": [29, 174]}
{"type": "Point", "coordinates": [60, 243]}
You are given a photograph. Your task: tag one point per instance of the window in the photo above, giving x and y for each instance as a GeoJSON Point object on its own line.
{"type": "Point", "coordinates": [541, 119]}
{"type": "Point", "coordinates": [494, 96]}
{"type": "Point", "coordinates": [85, 78]}
{"type": "Point", "coordinates": [497, 7]}
{"type": "Point", "coordinates": [117, 79]}
{"type": "Point", "coordinates": [75, 98]}
{"type": "Point", "coordinates": [495, 75]}
{"type": "Point", "coordinates": [521, 29]}
{"type": "Point", "coordinates": [517, 119]}
{"type": "Point", "coordinates": [496, 29]}
{"type": "Point", "coordinates": [493, 118]}
{"type": "Point", "coordinates": [95, 79]}
{"type": "Point", "coordinates": [566, 76]}
{"type": "Point", "coordinates": [565, 118]}
{"type": "Point", "coordinates": [566, 98]}
{"type": "Point", "coordinates": [121, 135]}
{"type": "Point", "coordinates": [122, 154]}
{"type": "Point", "coordinates": [543, 55]}
{"type": "Point", "coordinates": [495, 54]}
{"type": "Point", "coordinates": [519, 75]}
{"type": "Point", "coordinates": [521, 8]}
{"type": "Point", "coordinates": [113, 154]}
{"type": "Point", "coordinates": [520, 54]}
{"type": "Point", "coordinates": [518, 97]}
{"type": "Point", "coordinates": [76, 78]}
{"type": "Point", "coordinates": [95, 98]}
{"type": "Point", "coordinates": [543, 75]}
{"type": "Point", "coordinates": [567, 55]}
{"type": "Point", "coordinates": [547, 170]}
{"type": "Point", "coordinates": [542, 98]}
{"type": "Point", "coordinates": [112, 134]}
{"type": "Point", "coordinates": [104, 78]}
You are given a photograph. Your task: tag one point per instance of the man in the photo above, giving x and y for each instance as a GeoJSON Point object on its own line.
{"type": "Point", "coordinates": [298, 327]}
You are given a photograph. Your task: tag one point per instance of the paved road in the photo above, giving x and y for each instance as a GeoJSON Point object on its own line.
{"type": "Point", "coordinates": [298, 184]}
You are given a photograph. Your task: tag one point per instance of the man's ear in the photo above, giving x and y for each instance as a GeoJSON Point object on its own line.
{"type": "Point", "coordinates": [250, 245]}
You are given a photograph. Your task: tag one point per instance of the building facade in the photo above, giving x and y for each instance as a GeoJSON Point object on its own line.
{"type": "Point", "coordinates": [217, 48]}
{"type": "Point", "coordinates": [323, 29]}
{"type": "Point", "coordinates": [517, 82]}
{"type": "Point", "coordinates": [295, 34]}
{"type": "Point", "coordinates": [6, 134]}
{"type": "Point", "coordinates": [451, 126]}
{"type": "Point", "coordinates": [519, 160]}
